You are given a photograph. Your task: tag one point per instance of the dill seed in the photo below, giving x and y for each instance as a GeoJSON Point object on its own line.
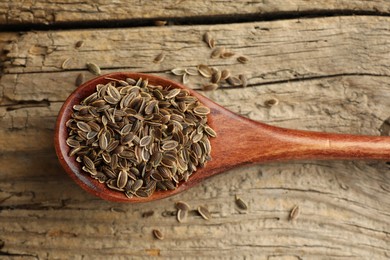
{"type": "Point", "coordinates": [210, 86]}
{"type": "Point", "coordinates": [207, 38]}
{"type": "Point", "coordinates": [294, 213]}
{"type": "Point", "coordinates": [79, 44]}
{"type": "Point", "coordinates": [160, 23]}
{"type": "Point", "coordinates": [159, 58]}
{"type": "Point", "coordinates": [66, 63]}
{"type": "Point", "coordinates": [93, 68]}
{"type": "Point", "coordinates": [204, 212]}
{"type": "Point", "coordinates": [217, 52]}
{"type": "Point", "coordinates": [241, 204]}
{"type": "Point", "coordinates": [182, 205]}
{"type": "Point", "coordinates": [79, 79]}
{"type": "Point", "coordinates": [158, 234]}
{"type": "Point", "coordinates": [271, 102]}
{"type": "Point", "coordinates": [242, 59]}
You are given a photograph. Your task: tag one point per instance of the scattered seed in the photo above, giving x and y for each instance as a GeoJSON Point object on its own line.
{"type": "Point", "coordinates": [294, 213]}
{"type": "Point", "coordinates": [244, 80]}
{"type": "Point", "coordinates": [216, 77]}
{"type": "Point", "coordinates": [234, 81]}
{"type": "Point", "coordinates": [242, 59]}
{"type": "Point", "coordinates": [204, 212]}
{"type": "Point", "coordinates": [65, 63]}
{"type": "Point", "coordinates": [205, 70]}
{"type": "Point", "coordinates": [191, 71]}
{"type": "Point", "coordinates": [181, 215]}
{"type": "Point", "coordinates": [147, 214]}
{"type": "Point", "coordinates": [271, 102]}
{"type": "Point", "coordinates": [217, 52]}
{"type": "Point", "coordinates": [178, 71]}
{"type": "Point", "coordinates": [79, 44]}
{"type": "Point", "coordinates": [210, 86]}
{"type": "Point", "coordinates": [225, 74]}
{"type": "Point", "coordinates": [207, 38]}
{"type": "Point", "coordinates": [93, 68]}
{"type": "Point", "coordinates": [160, 23]}
{"type": "Point", "coordinates": [241, 204]}
{"type": "Point", "coordinates": [159, 58]}
{"type": "Point", "coordinates": [158, 234]}
{"type": "Point", "coordinates": [227, 54]}
{"type": "Point", "coordinates": [185, 78]}
{"type": "Point", "coordinates": [182, 205]}
{"type": "Point", "coordinates": [79, 79]}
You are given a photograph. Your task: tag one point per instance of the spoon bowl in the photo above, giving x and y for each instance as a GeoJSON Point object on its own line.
{"type": "Point", "coordinates": [240, 141]}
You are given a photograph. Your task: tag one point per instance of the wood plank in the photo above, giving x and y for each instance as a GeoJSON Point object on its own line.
{"type": "Point", "coordinates": [54, 12]}
{"type": "Point", "coordinates": [328, 74]}
{"type": "Point", "coordinates": [330, 47]}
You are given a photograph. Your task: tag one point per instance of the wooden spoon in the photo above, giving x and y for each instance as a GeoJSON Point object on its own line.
{"type": "Point", "coordinates": [240, 141]}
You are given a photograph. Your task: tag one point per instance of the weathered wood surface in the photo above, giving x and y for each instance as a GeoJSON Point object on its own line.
{"type": "Point", "coordinates": [52, 12]}
{"type": "Point", "coordinates": [329, 74]}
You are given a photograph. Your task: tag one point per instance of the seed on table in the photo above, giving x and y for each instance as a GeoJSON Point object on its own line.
{"type": "Point", "coordinates": [178, 71]}
{"type": "Point", "coordinates": [225, 74]}
{"type": "Point", "coordinates": [158, 234]}
{"type": "Point", "coordinates": [185, 79]}
{"type": "Point", "coordinates": [241, 204]}
{"type": "Point", "coordinates": [205, 71]}
{"type": "Point", "coordinates": [204, 212]}
{"type": "Point", "coordinates": [181, 215]}
{"type": "Point", "coordinates": [271, 102]}
{"type": "Point", "coordinates": [191, 71]}
{"type": "Point", "coordinates": [93, 68]}
{"type": "Point", "coordinates": [147, 214]}
{"type": "Point", "coordinates": [216, 77]}
{"type": "Point", "coordinates": [160, 23]}
{"type": "Point", "coordinates": [244, 80]}
{"type": "Point", "coordinates": [227, 54]}
{"type": "Point", "coordinates": [234, 81]}
{"type": "Point", "coordinates": [207, 38]}
{"type": "Point", "coordinates": [65, 63]}
{"type": "Point", "coordinates": [210, 86]}
{"type": "Point", "coordinates": [217, 52]}
{"type": "Point", "coordinates": [79, 44]}
{"type": "Point", "coordinates": [294, 213]}
{"type": "Point", "coordinates": [242, 59]}
{"type": "Point", "coordinates": [79, 79]}
{"type": "Point", "coordinates": [182, 205]}
{"type": "Point", "coordinates": [159, 58]}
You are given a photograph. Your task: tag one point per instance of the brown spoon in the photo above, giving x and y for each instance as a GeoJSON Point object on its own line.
{"type": "Point", "coordinates": [240, 141]}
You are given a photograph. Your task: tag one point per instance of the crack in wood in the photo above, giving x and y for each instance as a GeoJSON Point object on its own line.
{"type": "Point", "coordinates": [191, 20]}
{"type": "Point", "coordinates": [27, 104]}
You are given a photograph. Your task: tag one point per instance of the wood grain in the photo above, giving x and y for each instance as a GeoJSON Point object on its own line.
{"type": "Point", "coordinates": [329, 74]}
{"type": "Point", "coordinates": [59, 12]}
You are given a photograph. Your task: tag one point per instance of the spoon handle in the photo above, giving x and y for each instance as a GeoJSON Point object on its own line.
{"type": "Point", "coordinates": [255, 142]}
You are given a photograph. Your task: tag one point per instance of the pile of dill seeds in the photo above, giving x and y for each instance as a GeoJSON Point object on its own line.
{"type": "Point", "coordinates": [137, 138]}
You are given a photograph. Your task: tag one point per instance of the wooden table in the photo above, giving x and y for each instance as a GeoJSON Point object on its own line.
{"type": "Point", "coordinates": [326, 62]}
